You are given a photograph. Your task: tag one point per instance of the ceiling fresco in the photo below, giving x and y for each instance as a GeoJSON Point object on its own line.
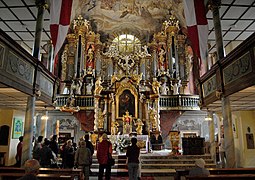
{"type": "Point", "coordinates": [139, 17]}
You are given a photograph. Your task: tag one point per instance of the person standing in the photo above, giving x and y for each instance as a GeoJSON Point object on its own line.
{"type": "Point", "coordinates": [133, 153]}
{"type": "Point", "coordinates": [46, 155]}
{"type": "Point", "coordinates": [54, 145]}
{"type": "Point", "coordinates": [90, 146]}
{"type": "Point", "coordinates": [19, 152]}
{"type": "Point", "coordinates": [83, 159]}
{"type": "Point", "coordinates": [37, 148]}
{"type": "Point", "coordinates": [222, 151]}
{"type": "Point", "coordinates": [103, 149]}
{"type": "Point", "coordinates": [68, 155]}
{"type": "Point", "coordinates": [31, 170]}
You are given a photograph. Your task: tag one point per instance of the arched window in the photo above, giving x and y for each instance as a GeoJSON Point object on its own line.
{"type": "Point", "coordinates": [126, 43]}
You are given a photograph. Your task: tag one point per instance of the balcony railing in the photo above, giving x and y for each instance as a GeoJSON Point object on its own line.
{"type": "Point", "coordinates": [179, 102]}
{"type": "Point", "coordinates": [84, 102]}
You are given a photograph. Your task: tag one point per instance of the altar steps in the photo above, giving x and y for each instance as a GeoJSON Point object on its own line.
{"type": "Point", "coordinates": [156, 164]}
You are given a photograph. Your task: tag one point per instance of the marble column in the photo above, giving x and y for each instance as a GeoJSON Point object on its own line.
{"type": "Point", "coordinates": [226, 107]}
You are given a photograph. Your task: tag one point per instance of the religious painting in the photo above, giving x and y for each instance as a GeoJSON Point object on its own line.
{"type": "Point", "coordinates": [17, 128]}
{"type": "Point", "coordinates": [126, 103]}
{"type": "Point", "coordinates": [250, 141]}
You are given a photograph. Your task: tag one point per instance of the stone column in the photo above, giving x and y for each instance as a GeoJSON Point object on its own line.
{"type": "Point", "coordinates": [212, 138]}
{"type": "Point", "coordinates": [226, 108]}
{"type": "Point", "coordinates": [30, 109]}
{"type": "Point", "coordinates": [228, 133]}
{"type": "Point", "coordinates": [28, 130]}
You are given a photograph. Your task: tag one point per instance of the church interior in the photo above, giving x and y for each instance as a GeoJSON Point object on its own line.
{"type": "Point", "coordinates": [128, 68]}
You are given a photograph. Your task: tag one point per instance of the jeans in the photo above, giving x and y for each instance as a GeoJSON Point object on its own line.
{"type": "Point", "coordinates": [133, 170]}
{"type": "Point", "coordinates": [107, 173]}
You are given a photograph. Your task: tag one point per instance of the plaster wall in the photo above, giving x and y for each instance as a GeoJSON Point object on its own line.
{"type": "Point", "coordinates": [242, 120]}
{"type": "Point", "coordinates": [6, 118]}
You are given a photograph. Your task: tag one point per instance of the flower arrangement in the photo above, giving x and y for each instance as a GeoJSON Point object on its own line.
{"type": "Point", "coordinates": [122, 143]}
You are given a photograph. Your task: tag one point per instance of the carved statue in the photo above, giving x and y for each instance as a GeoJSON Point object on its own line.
{"type": "Point", "coordinates": [162, 59]}
{"type": "Point", "coordinates": [98, 86]}
{"type": "Point", "coordinates": [153, 118]}
{"type": "Point", "coordinates": [155, 86]}
{"type": "Point", "coordinates": [139, 124]}
{"type": "Point", "coordinates": [127, 123]}
{"type": "Point", "coordinates": [176, 87]}
{"type": "Point", "coordinates": [76, 87]}
{"type": "Point", "coordinates": [89, 88]}
{"type": "Point", "coordinates": [164, 89]}
{"type": "Point", "coordinates": [114, 127]}
{"type": "Point", "coordinates": [100, 119]}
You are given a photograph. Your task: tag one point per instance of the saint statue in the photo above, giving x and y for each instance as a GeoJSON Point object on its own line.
{"type": "Point", "coordinates": [176, 87]}
{"type": "Point", "coordinates": [164, 89]}
{"type": "Point", "coordinates": [155, 86]}
{"type": "Point", "coordinates": [89, 88]}
{"type": "Point", "coordinates": [162, 58]}
{"type": "Point", "coordinates": [127, 123]}
{"type": "Point", "coordinates": [98, 86]}
{"type": "Point", "coordinates": [114, 127]}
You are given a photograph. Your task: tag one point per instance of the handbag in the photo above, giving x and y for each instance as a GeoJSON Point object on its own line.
{"type": "Point", "coordinates": [110, 160]}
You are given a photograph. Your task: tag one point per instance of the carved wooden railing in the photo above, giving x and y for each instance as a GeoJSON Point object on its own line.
{"type": "Point", "coordinates": [179, 102]}
{"type": "Point", "coordinates": [84, 102]}
{"type": "Point", "coordinates": [231, 74]}
{"type": "Point", "coordinates": [21, 71]}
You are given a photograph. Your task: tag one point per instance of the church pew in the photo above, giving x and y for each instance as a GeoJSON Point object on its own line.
{"type": "Point", "coordinates": [217, 171]}
{"type": "Point", "coordinates": [14, 176]}
{"type": "Point", "coordinates": [222, 176]}
{"type": "Point", "coordinates": [58, 172]}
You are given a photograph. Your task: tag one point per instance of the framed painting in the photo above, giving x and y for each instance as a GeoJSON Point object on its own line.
{"type": "Point", "coordinates": [17, 128]}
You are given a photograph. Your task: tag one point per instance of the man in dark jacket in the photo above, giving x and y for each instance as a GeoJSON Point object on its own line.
{"type": "Point", "coordinates": [132, 154]}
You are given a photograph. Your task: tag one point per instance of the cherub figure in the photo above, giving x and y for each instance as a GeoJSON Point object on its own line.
{"type": "Point", "coordinates": [139, 124]}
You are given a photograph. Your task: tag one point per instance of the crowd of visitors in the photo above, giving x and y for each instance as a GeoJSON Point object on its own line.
{"type": "Point", "coordinates": [46, 153]}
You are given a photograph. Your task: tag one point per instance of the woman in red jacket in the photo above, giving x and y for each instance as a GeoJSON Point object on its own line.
{"type": "Point", "coordinates": [103, 148]}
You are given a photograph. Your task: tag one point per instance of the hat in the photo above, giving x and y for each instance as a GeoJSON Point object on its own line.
{"type": "Point", "coordinates": [200, 163]}
{"type": "Point", "coordinates": [104, 136]}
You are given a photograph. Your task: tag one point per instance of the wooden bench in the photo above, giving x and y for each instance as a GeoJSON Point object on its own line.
{"type": "Point", "coordinates": [71, 173]}
{"type": "Point", "coordinates": [14, 176]}
{"type": "Point", "coordinates": [222, 176]}
{"type": "Point", "coordinates": [217, 171]}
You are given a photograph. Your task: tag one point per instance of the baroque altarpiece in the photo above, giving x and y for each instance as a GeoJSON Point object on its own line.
{"type": "Point", "coordinates": [125, 77]}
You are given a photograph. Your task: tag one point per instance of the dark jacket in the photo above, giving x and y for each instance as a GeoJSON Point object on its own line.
{"type": "Point", "coordinates": [133, 153]}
